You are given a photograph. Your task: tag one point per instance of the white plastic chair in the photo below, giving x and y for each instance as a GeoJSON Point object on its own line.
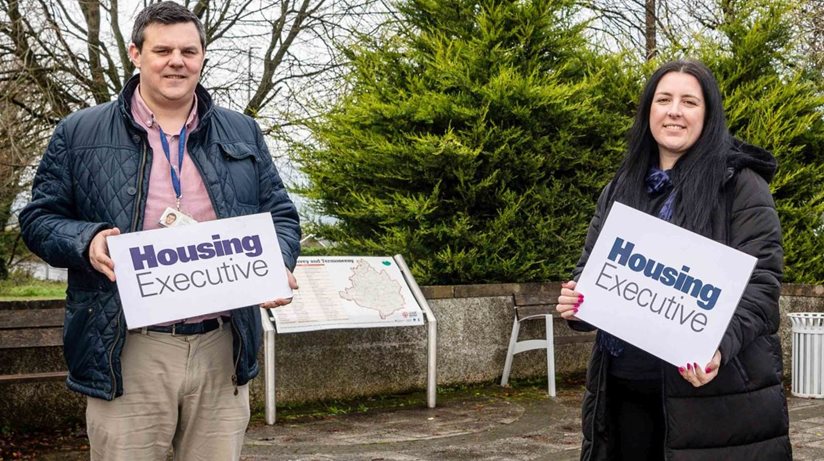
{"type": "Point", "coordinates": [532, 308]}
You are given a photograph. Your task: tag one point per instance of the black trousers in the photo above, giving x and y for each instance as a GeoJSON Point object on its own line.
{"type": "Point", "coordinates": [636, 420]}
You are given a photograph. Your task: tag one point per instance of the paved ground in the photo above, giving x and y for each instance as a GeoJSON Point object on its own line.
{"type": "Point", "coordinates": [478, 424]}
{"type": "Point", "coordinates": [488, 426]}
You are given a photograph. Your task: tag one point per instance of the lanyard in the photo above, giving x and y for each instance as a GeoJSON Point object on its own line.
{"type": "Point", "coordinates": [181, 148]}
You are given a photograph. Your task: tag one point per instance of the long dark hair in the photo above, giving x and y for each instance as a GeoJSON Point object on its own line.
{"type": "Point", "coordinates": [699, 173]}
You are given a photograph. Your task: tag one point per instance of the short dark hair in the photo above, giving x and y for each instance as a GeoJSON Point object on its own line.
{"type": "Point", "coordinates": [164, 13]}
{"type": "Point", "coordinates": [699, 173]}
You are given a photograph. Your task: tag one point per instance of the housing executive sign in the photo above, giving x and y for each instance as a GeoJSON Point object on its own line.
{"type": "Point", "coordinates": [182, 272]}
{"type": "Point", "coordinates": [662, 288]}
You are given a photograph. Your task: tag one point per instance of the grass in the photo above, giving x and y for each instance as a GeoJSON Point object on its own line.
{"type": "Point", "coordinates": [19, 287]}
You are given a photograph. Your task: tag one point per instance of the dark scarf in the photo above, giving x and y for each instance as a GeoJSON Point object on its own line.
{"type": "Point", "coordinates": [657, 182]}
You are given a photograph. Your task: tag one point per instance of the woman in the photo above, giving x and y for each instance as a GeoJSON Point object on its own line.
{"type": "Point", "coordinates": [684, 167]}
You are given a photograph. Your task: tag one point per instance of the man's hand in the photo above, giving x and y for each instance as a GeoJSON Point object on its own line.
{"type": "Point", "coordinates": [293, 284]}
{"type": "Point", "coordinates": [99, 253]}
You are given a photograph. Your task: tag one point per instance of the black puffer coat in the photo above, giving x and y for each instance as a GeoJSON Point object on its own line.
{"type": "Point", "coordinates": [742, 413]}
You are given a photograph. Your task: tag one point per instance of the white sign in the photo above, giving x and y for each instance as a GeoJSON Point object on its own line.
{"type": "Point", "coordinates": [348, 292]}
{"type": "Point", "coordinates": [662, 288]}
{"type": "Point", "coordinates": [181, 272]}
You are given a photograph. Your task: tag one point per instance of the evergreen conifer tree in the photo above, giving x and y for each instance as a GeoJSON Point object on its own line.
{"type": "Point", "coordinates": [474, 141]}
{"type": "Point", "coordinates": [772, 100]}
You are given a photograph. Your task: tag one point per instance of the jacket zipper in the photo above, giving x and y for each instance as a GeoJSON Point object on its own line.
{"type": "Point", "coordinates": [190, 149]}
{"type": "Point", "coordinates": [235, 330]}
{"type": "Point", "coordinates": [111, 354]}
{"type": "Point", "coordinates": [601, 382]}
{"type": "Point", "coordinates": [134, 228]}
{"type": "Point", "coordinates": [141, 171]}
{"type": "Point", "coordinates": [741, 371]}
{"type": "Point", "coordinates": [664, 409]}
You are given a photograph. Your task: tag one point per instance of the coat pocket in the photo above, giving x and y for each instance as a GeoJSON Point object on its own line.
{"type": "Point", "coordinates": [81, 335]}
{"type": "Point", "coordinates": [739, 367]}
{"type": "Point", "coordinates": [242, 171]}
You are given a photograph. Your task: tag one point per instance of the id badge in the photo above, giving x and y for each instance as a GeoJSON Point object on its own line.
{"type": "Point", "coordinates": [173, 218]}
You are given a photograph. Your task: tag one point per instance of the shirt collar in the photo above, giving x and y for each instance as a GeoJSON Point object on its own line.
{"type": "Point", "coordinates": [145, 117]}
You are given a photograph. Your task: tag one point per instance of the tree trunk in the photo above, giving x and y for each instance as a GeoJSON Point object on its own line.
{"type": "Point", "coordinates": [650, 29]}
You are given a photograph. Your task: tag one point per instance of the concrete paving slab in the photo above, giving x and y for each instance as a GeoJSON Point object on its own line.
{"type": "Point", "coordinates": [486, 426]}
{"type": "Point", "coordinates": [478, 424]}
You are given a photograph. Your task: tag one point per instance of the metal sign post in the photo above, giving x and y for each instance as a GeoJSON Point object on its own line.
{"type": "Point", "coordinates": [270, 333]}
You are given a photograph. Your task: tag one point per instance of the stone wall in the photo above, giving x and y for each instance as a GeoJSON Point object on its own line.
{"type": "Point", "coordinates": [474, 325]}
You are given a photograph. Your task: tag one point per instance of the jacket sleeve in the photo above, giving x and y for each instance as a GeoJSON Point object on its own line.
{"type": "Point", "coordinates": [592, 236]}
{"type": "Point", "coordinates": [48, 223]}
{"type": "Point", "coordinates": [275, 200]}
{"type": "Point", "coordinates": [755, 230]}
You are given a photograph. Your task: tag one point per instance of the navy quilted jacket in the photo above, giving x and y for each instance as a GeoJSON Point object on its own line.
{"type": "Point", "coordinates": [94, 176]}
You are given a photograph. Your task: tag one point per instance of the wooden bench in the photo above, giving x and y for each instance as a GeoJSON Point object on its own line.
{"type": "Point", "coordinates": [31, 325]}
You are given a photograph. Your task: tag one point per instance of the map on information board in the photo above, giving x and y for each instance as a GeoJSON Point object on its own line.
{"type": "Point", "coordinates": [348, 292]}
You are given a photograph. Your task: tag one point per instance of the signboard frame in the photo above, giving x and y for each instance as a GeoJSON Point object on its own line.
{"type": "Point", "coordinates": [345, 292]}
{"type": "Point", "coordinates": [430, 322]}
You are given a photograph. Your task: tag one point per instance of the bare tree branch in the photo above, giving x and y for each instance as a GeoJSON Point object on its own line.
{"type": "Point", "coordinates": [122, 49]}
{"type": "Point", "coordinates": [276, 60]}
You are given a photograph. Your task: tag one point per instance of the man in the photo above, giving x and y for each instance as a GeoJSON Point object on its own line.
{"type": "Point", "coordinates": [170, 219]}
{"type": "Point", "coordinates": [119, 167]}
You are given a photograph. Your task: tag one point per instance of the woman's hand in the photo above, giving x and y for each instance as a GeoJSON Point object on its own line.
{"type": "Point", "coordinates": [698, 376]}
{"type": "Point", "coordinates": [569, 301]}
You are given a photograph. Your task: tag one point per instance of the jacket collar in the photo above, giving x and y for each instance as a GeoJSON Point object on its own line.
{"type": "Point", "coordinates": [743, 155]}
{"type": "Point", "coordinates": [205, 106]}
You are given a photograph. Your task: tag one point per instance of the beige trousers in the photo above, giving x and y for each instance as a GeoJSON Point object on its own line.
{"type": "Point", "coordinates": [177, 393]}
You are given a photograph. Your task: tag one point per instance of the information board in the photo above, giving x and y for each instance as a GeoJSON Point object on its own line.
{"type": "Point", "coordinates": [348, 292]}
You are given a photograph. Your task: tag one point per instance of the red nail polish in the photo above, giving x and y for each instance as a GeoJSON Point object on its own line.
{"type": "Point", "coordinates": [681, 369]}
{"type": "Point", "coordinates": [689, 367]}
{"type": "Point", "coordinates": [575, 311]}
{"type": "Point", "coordinates": [696, 366]}
{"type": "Point", "coordinates": [708, 370]}
{"type": "Point", "coordinates": [577, 305]}
{"type": "Point", "coordinates": [580, 298]}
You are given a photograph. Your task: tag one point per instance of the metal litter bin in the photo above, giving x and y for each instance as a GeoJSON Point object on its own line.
{"type": "Point", "coordinates": [808, 355]}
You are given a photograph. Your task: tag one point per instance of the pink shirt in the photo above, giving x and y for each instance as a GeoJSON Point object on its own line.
{"type": "Point", "coordinates": [194, 200]}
